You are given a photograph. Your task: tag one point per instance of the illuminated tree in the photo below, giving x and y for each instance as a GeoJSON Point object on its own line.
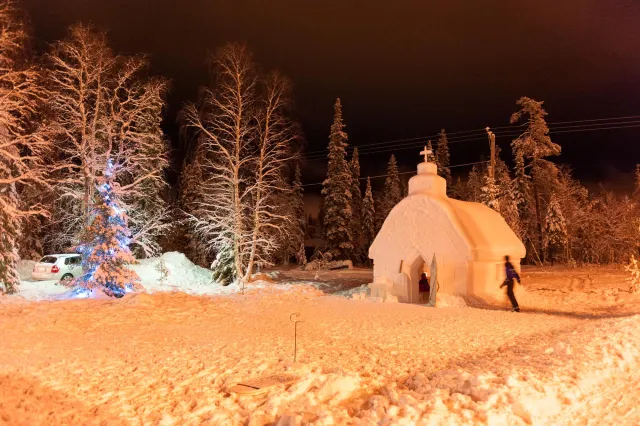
{"type": "Point", "coordinates": [104, 107]}
{"type": "Point", "coordinates": [105, 247]}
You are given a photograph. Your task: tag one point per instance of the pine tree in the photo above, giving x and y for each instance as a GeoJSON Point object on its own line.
{"type": "Point", "coordinates": [459, 190]}
{"type": "Point", "coordinates": [490, 192]}
{"type": "Point", "coordinates": [105, 248]}
{"type": "Point", "coordinates": [392, 193]}
{"type": "Point", "coordinates": [509, 209]}
{"type": "Point", "coordinates": [521, 188]}
{"type": "Point", "coordinates": [474, 185]}
{"type": "Point", "coordinates": [442, 159]}
{"type": "Point", "coordinates": [356, 199]}
{"type": "Point", "coordinates": [534, 144]}
{"type": "Point", "coordinates": [298, 217]}
{"type": "Point", "coordinates": [337, 192]}
{"type": "Point", "coordinates": [555, 228]}
{"type": "Point", "coordinates": [223, 267]}
{"type": "Point", "coordinates": [368, 217]}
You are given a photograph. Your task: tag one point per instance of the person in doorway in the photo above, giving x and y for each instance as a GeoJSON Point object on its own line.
{"type": "Point", "coordinates": [511, 275]}
{"type": "Point", "coordinates": [424, 287]}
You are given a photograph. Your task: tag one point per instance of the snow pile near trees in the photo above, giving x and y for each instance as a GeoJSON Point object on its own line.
{"type": "Point", "coordinates": [183, 275]}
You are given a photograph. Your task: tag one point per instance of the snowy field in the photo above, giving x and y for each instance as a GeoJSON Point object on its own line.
{"type": "Point", "coordinates": [168, 357]}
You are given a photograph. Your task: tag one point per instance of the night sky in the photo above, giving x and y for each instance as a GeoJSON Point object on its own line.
{"type": "Point", "coordinates": [403, 69]}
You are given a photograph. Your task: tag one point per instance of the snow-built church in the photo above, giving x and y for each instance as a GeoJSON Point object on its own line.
{"type": "Point", "coordinates": [469, 241]}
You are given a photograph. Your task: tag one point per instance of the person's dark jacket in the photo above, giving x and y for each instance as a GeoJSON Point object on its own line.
{"type": "Point", "coordinates": [511, 274]}
{"type": "Point", "coordinates": [424, 285]}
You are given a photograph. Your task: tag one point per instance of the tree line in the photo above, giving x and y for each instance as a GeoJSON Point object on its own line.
{"type": "Point", "coordinates": [77, 110]}
{"type": "Point", "coordinates": [555, 216]}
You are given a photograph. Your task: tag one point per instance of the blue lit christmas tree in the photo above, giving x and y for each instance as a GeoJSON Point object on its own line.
{"type": "Point", "coordinates": [105, 248]}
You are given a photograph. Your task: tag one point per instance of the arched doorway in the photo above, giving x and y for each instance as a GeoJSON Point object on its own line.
{"type": "Point", "coordinates": [414, 270]}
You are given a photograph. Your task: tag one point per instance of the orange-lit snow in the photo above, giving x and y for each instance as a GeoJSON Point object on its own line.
{"type": "Point", "coordinates": [571, 357]}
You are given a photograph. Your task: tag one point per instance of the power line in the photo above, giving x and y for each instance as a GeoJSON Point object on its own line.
{"type": "Point", "coordinates": [462, 135]}
{"type": "Point", "coordinates": [561, 129]}
{"type": "Point", "coordinates": [402, 173]}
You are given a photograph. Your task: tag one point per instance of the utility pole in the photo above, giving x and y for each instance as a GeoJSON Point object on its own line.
{"type": "Point", "coordinates": [492, 143]}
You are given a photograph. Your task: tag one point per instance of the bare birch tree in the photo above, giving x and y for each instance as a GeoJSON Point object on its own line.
{"type": "Point", "coordinates": [22, 148]}
{"type": "Point", "coordinates": [104, 108]}
{"type": "Point", "coordinates": [243, 127]}
{"type": "Point", "coordinates": [225, 124]}
{"type": "Point", "coordinates": [276, 137]}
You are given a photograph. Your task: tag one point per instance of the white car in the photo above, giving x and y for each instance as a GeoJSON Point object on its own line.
{"type": "Point", "coordinates": [59, 267]}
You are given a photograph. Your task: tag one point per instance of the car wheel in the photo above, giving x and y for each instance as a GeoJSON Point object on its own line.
{"type": "Point", "coordinates": [66, 279]}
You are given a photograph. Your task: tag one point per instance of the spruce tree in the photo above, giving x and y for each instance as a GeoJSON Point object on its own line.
{"type": "Point", "coordinates": [105, 248]}
{"type": "Point", "coordinates": [356, 199]}
{"type": "Point", "coordinates": [392, 193]}
{"type": "Point", "coordinates": [555, 228]}
{"type": "Point", "coordinates": [490, 192]}
{"type": "Point", "coordinates": [534, 144]}
{"type": "Point", "coordinates": [459, 190]}
{"type": "Point", "coordinates": [298, 217]}
{"type": "Point", "coordinates": [442, 159]}
{"type": "Point", "coordinates": [474, 185]}
{"type": "Point", "coordinates": [522, 189]}
{"type": "Point", "coordinates": [337, 192]}
{"type": "Point", "coordinates": [368, 217]}
{"type": "Point", "coordinates": [223, 268]}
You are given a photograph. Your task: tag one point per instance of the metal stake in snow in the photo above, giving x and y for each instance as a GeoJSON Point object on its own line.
{"type": "Point", "coordinates": [295, 333]}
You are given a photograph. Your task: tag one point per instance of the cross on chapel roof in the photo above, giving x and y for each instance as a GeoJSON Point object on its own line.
{"type": "Point", "coordinates": [426, 152]}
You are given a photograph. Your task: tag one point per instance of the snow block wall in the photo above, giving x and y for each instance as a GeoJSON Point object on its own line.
{"type": "Point", "coordinates": [469, 241]}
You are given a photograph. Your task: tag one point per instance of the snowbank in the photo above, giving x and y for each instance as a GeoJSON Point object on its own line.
{"type": "Point", "coordinates": [183, 276]}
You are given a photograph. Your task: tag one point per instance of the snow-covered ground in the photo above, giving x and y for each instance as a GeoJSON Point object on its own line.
{"type": "Point", "coordinates": [571, 356]}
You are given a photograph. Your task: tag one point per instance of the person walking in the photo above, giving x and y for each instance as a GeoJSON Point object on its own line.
{"type": "Point", "coordinates": [511, 275]}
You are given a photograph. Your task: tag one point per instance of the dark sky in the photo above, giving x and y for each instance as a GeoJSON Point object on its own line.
{"type": "Point", "coordinates": [402, 68]}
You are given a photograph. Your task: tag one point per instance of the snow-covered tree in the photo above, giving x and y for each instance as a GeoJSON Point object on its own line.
{"type": "Point", "coordinates": [392, 193]}
{"type": "Point", "coordinates": [459, 190]}
{"type": "Point", "coordinates": [247, 140]}
{"type": "Point", "coordinates": [634, 269]}
{"type": "Point", "coordinates": [534, 144]}
{"type": "Point", "coordinates": [490, 192]}
{"type": "Point", "coordinates": [276, 137]}
{"type": "Point", "coordinates": [337, 192]}
{"type": "Point", "coordinates": [555, 228]}
{"type": "Point", "coordinates": [356, 200]}
{"type": "Point", "coordinates": [293, 239]}
{"type": "Point", "coordinates": [223, 267]}
{"type": "Point", "coordinates": [368, 217]}
{"type": "Point", "coordinates": [443, 160]}
{"type": "Point", "coordinates": [104, 106]}
{"type": "Point", "coordinates": [105, 243]}
{"type": "Point", "coordinates": [23, 149]}
{"type": "Point", "coordinates": [474, 184]}
{"type": "Point", "coordinates": [191, 179]}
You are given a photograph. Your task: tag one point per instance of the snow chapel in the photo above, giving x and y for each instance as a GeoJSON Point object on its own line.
{"type": "Point", "coordinates": [469, 241]}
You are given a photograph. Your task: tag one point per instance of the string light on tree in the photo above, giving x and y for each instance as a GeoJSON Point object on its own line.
{"type": "Point", "coordinates": [105, 248]}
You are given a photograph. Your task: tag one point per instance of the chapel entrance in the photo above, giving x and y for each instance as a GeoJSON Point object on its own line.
{"type": "Point", "coordinates": [416, 269]}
